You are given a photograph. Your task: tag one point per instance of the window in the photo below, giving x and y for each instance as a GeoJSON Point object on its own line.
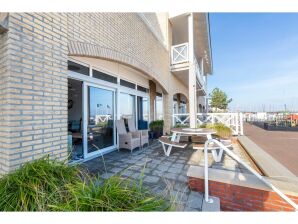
{"type": "Point", "coordinates": [103, 76]}
{"type": "Point", "coordinates": [142, 89]}
{"type": "Point", "coordinates": [158, 107]}
{"type": "Point", "coordinates": [75, 67]}
{"type": "Point", "coordinates": [127, 106]}
{"type": "Point", "coordinates": [143, 112]}
{"type": "Point", "coordinates": [127, 84]}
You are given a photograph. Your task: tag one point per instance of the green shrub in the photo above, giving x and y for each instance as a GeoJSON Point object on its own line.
{"type": "Point", "coordinates": [181, 126]}
{"type": "Point", "coordinates": [202, 125]}
{"type": "Point", "coordinates": [46, 185]}
{"type": "Point", "coordinates": [222, 131]}
{"type": "Point", "coordinates": [156, 125]}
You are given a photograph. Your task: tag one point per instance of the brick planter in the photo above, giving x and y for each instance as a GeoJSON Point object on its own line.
{"type": "Point", "coordinates": [235, 197]}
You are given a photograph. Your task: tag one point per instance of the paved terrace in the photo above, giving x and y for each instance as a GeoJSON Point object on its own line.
{"type": "Point", "coordinates": [163, 175]}
{"type": "Point", "coordinates": [282, 145]}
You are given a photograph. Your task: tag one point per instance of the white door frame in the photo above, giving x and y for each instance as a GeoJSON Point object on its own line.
{"type": "Point", "coordinates": [85, 120]}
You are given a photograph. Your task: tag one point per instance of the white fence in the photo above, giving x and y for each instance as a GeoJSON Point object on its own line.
{"type": "Point", "coordinates": [179, 53]}
{"type": "Point", "coordinates": [232, 120]}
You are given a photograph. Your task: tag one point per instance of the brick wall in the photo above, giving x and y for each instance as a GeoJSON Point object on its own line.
{"type": "Point", "coordinates": [122, 37]}
{"type": "Point", "coordinates": [36, 88]}
{"type": "Point", "coordinates": [126, 38]}
{"type": "Point", "coordinates": [4, 111]}
{"type": "Point", "coordinates": [240, 198]}
{"type": "Point", "coordinates": [33, 71]}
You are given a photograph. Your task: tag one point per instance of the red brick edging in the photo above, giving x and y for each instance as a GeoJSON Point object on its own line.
{"type": "Point", "coordinates": [240, 198]}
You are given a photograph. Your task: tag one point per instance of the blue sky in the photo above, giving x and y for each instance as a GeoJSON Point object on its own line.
{"type": "Point", "coordinates": [255, 59]}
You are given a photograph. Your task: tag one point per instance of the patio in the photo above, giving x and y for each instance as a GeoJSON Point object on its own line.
{"type": "Point", "coordinates": [163, 175]}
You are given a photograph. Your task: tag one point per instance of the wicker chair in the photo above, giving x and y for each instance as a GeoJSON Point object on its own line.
{"type": "Point", "coordinates": [143, 134]}
{"type": "Point", "coordinates": [127, 140]}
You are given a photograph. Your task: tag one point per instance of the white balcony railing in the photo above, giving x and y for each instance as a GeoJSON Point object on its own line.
{"type": "Point", "coordinates": [232, 120]}
{"type": "Point", "coordinates": [179, 54]}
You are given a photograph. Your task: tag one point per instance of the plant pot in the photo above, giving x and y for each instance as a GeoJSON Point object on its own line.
{"type": "Point", "coordinates": [151, 134]}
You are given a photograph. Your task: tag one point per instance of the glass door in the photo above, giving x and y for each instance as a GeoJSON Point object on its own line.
{"type": "Point", "coordinates": [127, 106]}
{"type": "Point", "coordinates": [143, 112]}
{"type": "Point", "coordinates": [99, 117]}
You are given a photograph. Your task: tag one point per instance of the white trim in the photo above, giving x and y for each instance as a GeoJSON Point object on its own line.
{"type": "Point", "coordinates": [90, 71]}
{"type": "Point", "coordinates": [153, 31]}
{"type": "Point", "coordinates": [103, 82]}
{"type": "Point", "coordinates": [85, 122]}
{"type": "Point", "coordinates": [97, 152]}
{"type": "Point", "coordinates": [91, 80]}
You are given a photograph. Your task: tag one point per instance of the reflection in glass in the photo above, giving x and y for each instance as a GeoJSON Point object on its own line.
{"type": "Point", "coordinates": [127, 106]}
{"type": "Point", "coordinates": [158, 108]}
{"type": "Point", "coordinates": [143, 113]}
{"type": "Point", "coordinates": [100, 119]}
{"type": "Point", "coordinates": [75, 130]}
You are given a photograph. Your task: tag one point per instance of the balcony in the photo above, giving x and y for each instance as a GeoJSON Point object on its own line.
{"type": "Point", "coordinates": [180, 65]}
{"type": "Point", "coordinates": [179, 54]}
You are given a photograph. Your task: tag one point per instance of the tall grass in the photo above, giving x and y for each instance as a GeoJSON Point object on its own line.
{"type": "Point", "coordinates": [36, 185]}
{"type": "Point", "coordinates": [222, 131]}
{"type": "Point", "coordinates": [116, 194]}
{"type": "Point", "coordinates": [46, 185]}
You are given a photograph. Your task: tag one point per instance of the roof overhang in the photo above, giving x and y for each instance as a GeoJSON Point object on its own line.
{"type": "Point", "coordinates": [202, 41]}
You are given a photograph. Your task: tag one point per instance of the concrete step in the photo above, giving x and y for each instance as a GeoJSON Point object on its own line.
{"type": "Point", "coordinates": [211, 207]}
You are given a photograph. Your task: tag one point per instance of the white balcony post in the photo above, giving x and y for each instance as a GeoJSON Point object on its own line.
{"type": "Point", "coordinates": [241, 123]}
{"type": "Point", "coordinates": [192, 75]}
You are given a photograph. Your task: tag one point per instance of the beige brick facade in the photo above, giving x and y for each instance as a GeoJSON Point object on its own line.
{"type": "Point", "coordinates": [33, 72]}
{"type": "Point", "coordinates": [34, 98]}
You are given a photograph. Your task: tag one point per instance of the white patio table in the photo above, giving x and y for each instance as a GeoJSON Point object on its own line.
{"type": "Point", "coordinates": [178, 132]}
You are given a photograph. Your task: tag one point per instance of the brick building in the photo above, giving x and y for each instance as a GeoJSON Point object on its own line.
{"type": "Point", "coordinates": [62, 75]}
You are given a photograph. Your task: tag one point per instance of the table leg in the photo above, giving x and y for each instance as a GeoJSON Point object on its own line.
{"type": "Point", "coordinates": [173, 138]}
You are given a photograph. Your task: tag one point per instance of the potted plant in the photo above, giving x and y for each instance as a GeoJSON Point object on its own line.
{"type": "Point", "coordinates": [156, 128]}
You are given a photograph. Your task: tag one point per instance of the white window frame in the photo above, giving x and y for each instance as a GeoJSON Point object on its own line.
{"type": "Point", "coordinates": [117, 88]}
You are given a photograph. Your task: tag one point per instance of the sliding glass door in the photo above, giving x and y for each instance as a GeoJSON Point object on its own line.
{"type": "Point", "coordinates": [127, 107]}
{"type": "Point", "coordinates": [143, 112]}
{"type": "Point", "coordinates": [99, 117]}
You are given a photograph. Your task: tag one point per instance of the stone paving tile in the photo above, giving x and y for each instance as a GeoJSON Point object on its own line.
{"type": "Point", "coordinates": [176, 165]}
{"type": "Point", "coordinates": [162, 167]}
{"type": "Point", "coordinates": [107, 175]}
{"type": "Point", "coordinates": [116, 170]}
{"type": "Point", "coordinates": [151, 179]}
{"type": "Point", "coordinates": [163, 175]}
{"type": "Point", "coordinates": [172, 176]}
{"type": "Point", "coordinates": [174, 170]}
{"type": "Point", "coordinates": [195, 200]}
